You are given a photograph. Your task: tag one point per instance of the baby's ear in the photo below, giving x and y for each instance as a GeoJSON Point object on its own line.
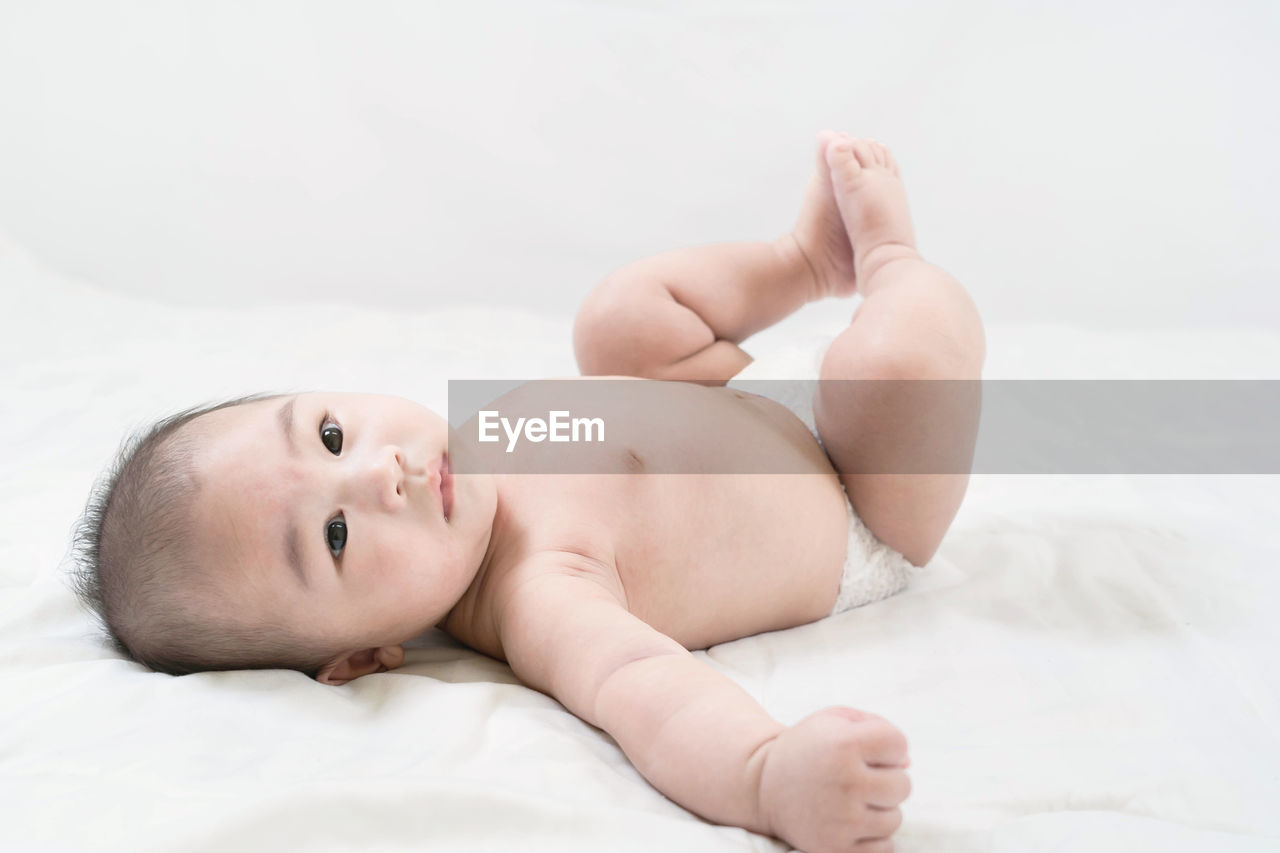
{"type": "Point", "coordinates": [355, 664]}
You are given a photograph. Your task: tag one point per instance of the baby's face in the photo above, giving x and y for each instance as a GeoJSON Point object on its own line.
{"type": "Point", "coordinates": [324, 512]}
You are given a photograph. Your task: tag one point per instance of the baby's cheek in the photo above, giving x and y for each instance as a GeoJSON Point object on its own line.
{"type": "Point", "coordinates": [403, 554]}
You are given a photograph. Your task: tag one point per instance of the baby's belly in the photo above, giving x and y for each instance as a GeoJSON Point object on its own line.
{"type": "Point", "coordinates": [733, 556]}
{"type": "Point", "coordinates": [718, 557]}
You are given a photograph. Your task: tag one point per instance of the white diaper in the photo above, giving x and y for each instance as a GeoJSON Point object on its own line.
{"type": "Point", "coordinates": [872, 570]}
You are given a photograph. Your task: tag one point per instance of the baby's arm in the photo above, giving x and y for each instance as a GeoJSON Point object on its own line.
{"type": "Point", "coordinates": [698, 737]}
{"type": "Point", "coordinates": [693, 733]}
{"type": "Point", "coordinates": [681, 314]}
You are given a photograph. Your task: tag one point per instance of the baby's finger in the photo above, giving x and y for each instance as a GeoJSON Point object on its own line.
{"type": "Point", "coordinates": [883, 745]}
{"type": "Point", "coordinates": [887, 789]}
{"type": "Point", "coordinates": [879, 823]}
{"type": "Point", "coordinates": [874, 845]}
{"type": "Point", "coordinates": [856, 715]}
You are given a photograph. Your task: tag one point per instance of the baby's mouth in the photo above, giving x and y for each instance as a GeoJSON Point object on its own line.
{"type": "Point", "coordinates": [446, 487]}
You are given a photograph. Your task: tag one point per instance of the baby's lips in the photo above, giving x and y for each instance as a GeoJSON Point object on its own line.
{"type": "Point", "coordinates": [445, 486]}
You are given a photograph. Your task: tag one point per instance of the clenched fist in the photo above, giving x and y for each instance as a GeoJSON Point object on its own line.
{"type": "Point", "coordinates": [833, 782]}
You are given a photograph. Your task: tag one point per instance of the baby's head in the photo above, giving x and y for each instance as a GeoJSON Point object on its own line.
{"type": "Point", "coordinates": [300, 531]}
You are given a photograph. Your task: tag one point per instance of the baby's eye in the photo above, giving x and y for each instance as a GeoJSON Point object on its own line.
{"type": "Point", "coordinates": [331, 435]}
{"type": "Point", "coordinates": [335, 533]}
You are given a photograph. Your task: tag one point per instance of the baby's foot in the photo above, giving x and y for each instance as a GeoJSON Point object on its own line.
{"type": "Point", "coordinates": [820, 231]}
{"type": "Point", "coordinates": [873, 203]}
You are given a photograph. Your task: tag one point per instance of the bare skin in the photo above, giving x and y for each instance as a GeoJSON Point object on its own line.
{"type": "Point", "coordinates": [834, 780]}
{"type": "Point", "coordinates": [595, 587]}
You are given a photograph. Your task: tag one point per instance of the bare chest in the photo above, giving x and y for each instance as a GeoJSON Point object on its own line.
{"type": "Point", "coordinates": [703, 557]}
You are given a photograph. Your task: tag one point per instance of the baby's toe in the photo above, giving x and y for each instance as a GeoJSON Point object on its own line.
{"type": "Point", "coordinates": [865, 152]}
{"type": "Point", "coordinates": [881, 153]}
{"type": "Point", "coordinates": [889, 161]}
{"type": "Point", "coordinates": [841, 158]}
{"type": "Point", "coordinates": [824, 142]}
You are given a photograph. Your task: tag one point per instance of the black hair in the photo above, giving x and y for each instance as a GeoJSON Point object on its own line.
{"type": "Point", "coordinates": [133, 569]}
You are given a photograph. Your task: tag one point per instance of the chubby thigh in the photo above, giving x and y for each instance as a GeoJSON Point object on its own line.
{"type": "Point", "coordinates": [902, 436]}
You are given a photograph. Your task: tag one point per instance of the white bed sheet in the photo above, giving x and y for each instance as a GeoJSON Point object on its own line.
{"type": "Point", "coordinates": [1089, 664]}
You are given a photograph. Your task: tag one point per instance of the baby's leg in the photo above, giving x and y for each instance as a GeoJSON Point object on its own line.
{"type": "Point", "coordinates": [682, 314]}
{"type": "Point", "coordinates": [915, 322]}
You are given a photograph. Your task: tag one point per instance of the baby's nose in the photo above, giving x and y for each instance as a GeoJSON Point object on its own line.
{"type": "Point", "coordinates": [385, 478]}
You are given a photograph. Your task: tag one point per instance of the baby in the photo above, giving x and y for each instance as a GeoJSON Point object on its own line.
{"type": "Point", "coordinates": [320, 531]}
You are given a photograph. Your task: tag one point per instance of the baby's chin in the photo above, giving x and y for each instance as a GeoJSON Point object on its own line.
{"type": "Point", "coordinates": [475, 498]}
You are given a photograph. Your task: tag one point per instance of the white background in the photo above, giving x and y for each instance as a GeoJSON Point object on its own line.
{"type": "Point", "coordinates": [1094, 163]}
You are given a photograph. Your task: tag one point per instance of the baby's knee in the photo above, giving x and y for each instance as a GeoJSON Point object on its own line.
{"type": "Point", "coordinates": [887, 352]}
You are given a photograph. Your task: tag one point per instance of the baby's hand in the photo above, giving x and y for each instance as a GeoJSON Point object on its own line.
{"type": "Point", "coordinates": [834, 780]}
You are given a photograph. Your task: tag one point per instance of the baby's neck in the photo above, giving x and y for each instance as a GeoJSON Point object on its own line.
{"type": "Point", "coordinates": [471, 619]}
